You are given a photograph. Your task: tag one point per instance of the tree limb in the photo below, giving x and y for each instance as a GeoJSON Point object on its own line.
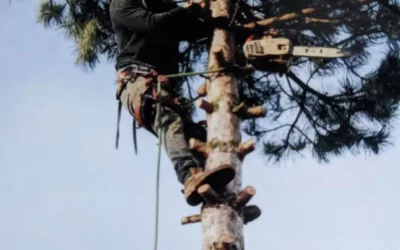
{"type": "Point", "coordinates": [293, 15]}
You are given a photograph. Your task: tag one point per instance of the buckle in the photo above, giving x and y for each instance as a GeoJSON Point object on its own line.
{"type": "Point", "coordinates": [124, 73]}
{"type": "Point", "coordinates": [135, 68]}
{"type": "Point", "coordinates": [139, 69]}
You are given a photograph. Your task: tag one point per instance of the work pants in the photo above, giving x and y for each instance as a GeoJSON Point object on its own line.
{"type": "Point", "coordinates": [176, 129]}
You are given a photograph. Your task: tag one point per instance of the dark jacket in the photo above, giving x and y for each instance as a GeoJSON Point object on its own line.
{"type": "Point", "coordinates": [152, 37]}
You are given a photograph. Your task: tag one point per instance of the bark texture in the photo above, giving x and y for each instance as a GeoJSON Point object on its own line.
{"type": "Point", "coordinates": [221, 223]}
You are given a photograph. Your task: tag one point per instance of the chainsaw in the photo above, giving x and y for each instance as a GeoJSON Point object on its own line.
{"type": "Point", "coordinates": [280, 50]}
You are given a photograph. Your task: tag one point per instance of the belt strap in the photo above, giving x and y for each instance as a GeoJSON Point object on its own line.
{"type": "Point", "coordinates": [134, 135]}
{"type": "Point", "coordinates": [118, 121]}
{"type": "Point", "coordinates": [137, 69]}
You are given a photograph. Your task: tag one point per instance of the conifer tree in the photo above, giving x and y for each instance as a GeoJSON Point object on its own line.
{"type": "Point", "coordinates": [354, 112]}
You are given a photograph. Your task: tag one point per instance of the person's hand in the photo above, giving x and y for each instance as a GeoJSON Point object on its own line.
{"type": "Point", "coordinates": [194, 4]}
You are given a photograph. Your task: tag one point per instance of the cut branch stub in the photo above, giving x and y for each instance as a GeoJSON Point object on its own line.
{"type": "Point", "coordinates": [198, 146]}
{"type": "Point", "coordinates": [208, 194]}
{"type": "Point", "coordinates": [255, 112]}
{"type": "Point", "coordinates": [246, 148]}
{"type": "Point", "coordinates": [245, 196]}
{"type": "Point", "coordinates": [191, 219]}
{"type": "Point", "coordinates": [239, 108]}
{"type": "Point", "coordinates": [250, 213]}
{"type": "Point", "coordinates": [225, 243]}
{"type": "Point", "coordinates": [202, 90]}
{"type": "Point", "coordinates": [203, 104]}
{"type": "Point", "coordinates": [252, 112]}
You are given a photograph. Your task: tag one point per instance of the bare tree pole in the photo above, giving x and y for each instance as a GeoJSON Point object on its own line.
{"type": "Point", "coordinates": [222, 225]}
{"type": "Point", "coordinates": [224, 212]}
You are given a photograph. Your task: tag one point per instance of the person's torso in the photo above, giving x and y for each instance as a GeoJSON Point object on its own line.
{"type": "Point", "coordinates": [159, 48]}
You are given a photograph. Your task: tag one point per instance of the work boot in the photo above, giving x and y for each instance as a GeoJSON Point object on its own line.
{"type": "Point", "coordinates": [217, 178]}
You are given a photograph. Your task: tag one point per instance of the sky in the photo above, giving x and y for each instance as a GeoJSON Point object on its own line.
{"type": "Point", "coordinates": [63, 186]}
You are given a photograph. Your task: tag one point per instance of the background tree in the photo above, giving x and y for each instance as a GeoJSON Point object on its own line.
{"type": "Point", "coordinates": [354, 112]}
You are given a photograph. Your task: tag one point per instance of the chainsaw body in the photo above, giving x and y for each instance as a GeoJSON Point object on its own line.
{"type": "Point", "coordinates": [281, 49]}
{"type": "Point", "coordinates": [278, 54]}
{"type": "Point", "coordinates": [276, 49]}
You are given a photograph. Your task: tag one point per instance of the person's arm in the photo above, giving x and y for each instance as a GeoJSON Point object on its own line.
{"type": "Point", "coordinates": [137, 18]}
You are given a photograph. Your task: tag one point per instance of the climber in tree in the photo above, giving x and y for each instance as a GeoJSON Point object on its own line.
{"type": "Point", "coordinates": [148, 34]}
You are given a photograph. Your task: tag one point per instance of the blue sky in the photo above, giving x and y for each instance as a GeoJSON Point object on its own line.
{"type": "Point", "coordinates": [63, 186]}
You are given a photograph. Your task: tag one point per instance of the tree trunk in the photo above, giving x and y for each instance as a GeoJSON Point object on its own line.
{"type": "Point", "coordinates": [222, 225]}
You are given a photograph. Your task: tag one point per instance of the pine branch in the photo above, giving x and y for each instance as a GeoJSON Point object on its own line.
{"type": "Point", "coordinates": [293, 15]}
{"type": "Point", "coordinates": [353, 114]}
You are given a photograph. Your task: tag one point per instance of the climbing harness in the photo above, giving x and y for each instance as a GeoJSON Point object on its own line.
{"type": "Point", "coordinates": [124, 76]}
{"type": "Point", "coordinates": [129, 73]}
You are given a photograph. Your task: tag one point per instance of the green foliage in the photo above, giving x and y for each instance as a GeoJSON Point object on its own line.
{"type": "Point", "coordinates": [87, 23]}
{"type": "Point", "coordinates": [354, 112]}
